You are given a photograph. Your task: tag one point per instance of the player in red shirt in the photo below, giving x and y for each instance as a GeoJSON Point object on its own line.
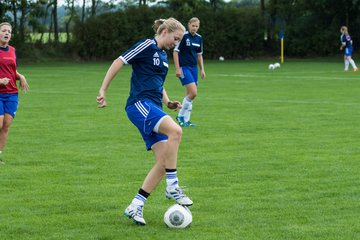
{"type": "Point", "coordinates": [8, 87]}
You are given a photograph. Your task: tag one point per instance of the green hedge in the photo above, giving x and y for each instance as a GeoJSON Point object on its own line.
{"type": "Point", "coordinates": [232, 33]}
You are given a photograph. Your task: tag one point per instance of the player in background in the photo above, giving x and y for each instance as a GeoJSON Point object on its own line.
{"type": "Point", "coordinates": [187, 54]}
{"type": "Point", "coordinates": [8, 87]}
{"type": "Point", "coordinates": [160, 132]}
{"type": "Point", "coordinates": [346, 44]}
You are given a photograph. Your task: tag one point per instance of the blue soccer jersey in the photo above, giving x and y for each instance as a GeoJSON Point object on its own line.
{"type": "Point", "coordinates": [150, 66]}
{"type": "Point", "coordinates": [188, 49]}
{"type": "Point", "coordinates": [347, 40]}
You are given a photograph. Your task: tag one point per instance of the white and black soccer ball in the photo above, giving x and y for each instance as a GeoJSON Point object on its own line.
{"type": "Point", "coordinates": [271, 67]}
{"type": "Point", "coordinates": [178, 216]}
{"type": "Point", "coordinates": [221, 58]}
{"type": "Point", "coordinates": [277, 65]}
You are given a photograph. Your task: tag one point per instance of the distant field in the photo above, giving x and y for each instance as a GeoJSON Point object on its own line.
{"type": "Point", "coordinates": [275, 155]}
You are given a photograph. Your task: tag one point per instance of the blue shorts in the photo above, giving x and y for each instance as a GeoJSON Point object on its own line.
{"type": "Point", "coordinates": [8, 103]}
{"type": "Point", "coordinates": [189, 75]}
{"type": "Point", "coordinates": [145, 115]}
{"type": "Point", "coordinates": [348, 52]}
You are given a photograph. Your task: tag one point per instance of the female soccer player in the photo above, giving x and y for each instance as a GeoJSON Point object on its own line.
{"type": "Point", "coordinates": [346, 44]}
{"type": "Point", "coordinates": [8, 87]}
{"type": "Point", "coordinates": [144, 109]}
{"type": "Point", "coordinates": [186, 56]}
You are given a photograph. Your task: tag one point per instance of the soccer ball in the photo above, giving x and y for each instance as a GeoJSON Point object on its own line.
{"type": "Point", "coordinates": [271, 67]}
{"type": "Point", "coordinates": [177, 216]}
{"type": "Point", "coordinates": [221, 58]}
{"type": "Point", "coordinates": [277, 65]}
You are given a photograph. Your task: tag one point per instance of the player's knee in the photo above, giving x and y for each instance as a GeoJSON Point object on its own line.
{"type": "Point", "coordinates": [5, 124]}
{"type": "Point", "coordinates": [192, 95]}
{"type": "Point", "coordinates": [176, 134]}
{"type": "Point", "coordinates": [5, 128]}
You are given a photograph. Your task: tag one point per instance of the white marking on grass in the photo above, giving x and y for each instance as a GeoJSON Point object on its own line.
{"type": "Point", "coordinates": [285, 77]}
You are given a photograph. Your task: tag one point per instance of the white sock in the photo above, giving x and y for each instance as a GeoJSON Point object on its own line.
{"type": "Point", "coordinates": [188, 113]}
{"type": "Point", "coordinates": [172, 180]}
{"type": "Point", "coordinates": [185, 104]}
{"type": "Point", "coordinates": [346, 65]}
{"type": "Point", "coordinates": [352, 63]}
{"type": "Point", "coordinates": [139, 200]}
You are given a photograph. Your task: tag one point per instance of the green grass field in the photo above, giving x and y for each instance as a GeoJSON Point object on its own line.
{"type": "Point", "coordinates": [275, 156]}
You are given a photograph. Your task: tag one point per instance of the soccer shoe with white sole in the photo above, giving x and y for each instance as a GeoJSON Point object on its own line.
{"type": "Point", "coordinates": [178, 195]}
{"type": "Point", "coordinates": [135, 213]}
{"type": "Point", "coordinates": [181, 121]}
{"type": "Point", "coordinates": [190, 124]}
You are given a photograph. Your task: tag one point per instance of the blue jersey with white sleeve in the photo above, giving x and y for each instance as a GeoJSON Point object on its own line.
{"type": "Point", "coordinates": [149, 69]}
{"type": "Point", "coordinates": [188, 49]}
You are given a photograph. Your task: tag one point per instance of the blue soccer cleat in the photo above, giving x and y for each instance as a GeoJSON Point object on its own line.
{"type": "Point", "coordinates": [190, 124]}
{"type": "Point", "coordinates": [181, 121]}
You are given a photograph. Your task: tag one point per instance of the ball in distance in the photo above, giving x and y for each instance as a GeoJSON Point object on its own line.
{"type": "Point", "coordinates": [277, 65]}
{"type": "Point", "coordinates": [271, 67]}
{"type": "Point", "coordinates": [177, 216]}
{"type": "Point", "coordinates": [221, 58]}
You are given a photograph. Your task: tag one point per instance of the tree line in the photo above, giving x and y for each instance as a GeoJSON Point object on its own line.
{"type": "Point", "coordinates": [238, 29]}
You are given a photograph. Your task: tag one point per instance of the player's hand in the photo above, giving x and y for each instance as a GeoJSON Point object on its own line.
{"type": "Point", "coordinates": [23, 84]}
{"type": "Point", "coordinates": [178, 72]}
{"type": "Point", "coordinates": [100, 99]}
{"type": "Point", "coordinates": [4, 80]}
{"type": "Point", "coordinates": [203, 75]}
{"type": "Point", "coordinates": [174, 105]}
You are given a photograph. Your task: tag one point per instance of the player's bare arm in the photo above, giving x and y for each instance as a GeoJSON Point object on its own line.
{"type": "Point", "coordinates": [111, 73]}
